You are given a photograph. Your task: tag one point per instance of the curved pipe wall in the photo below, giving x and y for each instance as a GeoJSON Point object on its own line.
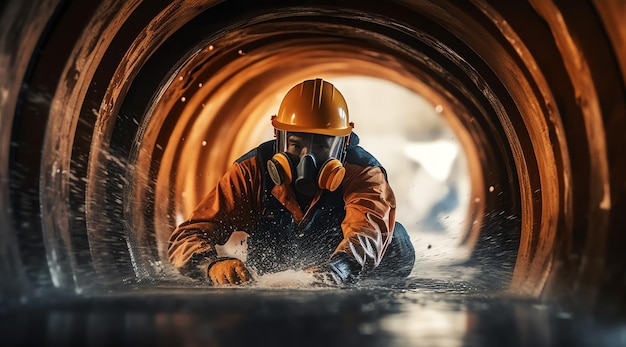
{"type": "Point", "coordinates": [99, 98]}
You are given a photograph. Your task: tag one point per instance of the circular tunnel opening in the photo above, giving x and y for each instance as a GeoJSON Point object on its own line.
{"type": "Point", "coordinates": [144, 104]}
{"type": "Point", "coordinates": [212, 104]}
{"type": "Point", "coordinates": [402, 127]}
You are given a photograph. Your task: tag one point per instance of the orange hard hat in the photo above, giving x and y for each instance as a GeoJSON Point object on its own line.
{"type": "Point", "coordinates": [314, 106]}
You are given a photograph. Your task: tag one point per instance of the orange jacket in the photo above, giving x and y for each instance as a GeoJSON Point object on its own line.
{"type": "Point", "coordinates": [235, 204]}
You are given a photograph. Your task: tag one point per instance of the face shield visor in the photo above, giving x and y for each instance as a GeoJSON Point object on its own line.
{"type": "Point", "coordinates": [322, 147]}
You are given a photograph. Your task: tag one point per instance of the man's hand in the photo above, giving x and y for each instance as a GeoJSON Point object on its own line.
{"type": "Point", "coordinates": [339, 270]}
{"type": "Point", "coordinates": [229, 271]}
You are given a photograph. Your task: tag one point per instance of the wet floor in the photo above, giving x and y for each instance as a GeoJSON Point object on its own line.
{"type": "Point", "coordinates": [436, 313]}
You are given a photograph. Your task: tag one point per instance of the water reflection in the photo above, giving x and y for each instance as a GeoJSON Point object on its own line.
{"type": "Point", "coordinates": [358, 316]}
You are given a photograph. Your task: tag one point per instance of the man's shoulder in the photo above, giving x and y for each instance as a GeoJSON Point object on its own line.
{"type": "Point", "coordinates": [262, 149]}
{"type": "Point", "coordinates": [355, 154]}
{"type": "Point", "coordinates": [358, 160]}
{"type": "Point", "coordinates": [359, 156]}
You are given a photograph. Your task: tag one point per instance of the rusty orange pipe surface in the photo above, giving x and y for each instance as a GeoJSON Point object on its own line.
{"type": "Point", "coordinates": [98, 98]}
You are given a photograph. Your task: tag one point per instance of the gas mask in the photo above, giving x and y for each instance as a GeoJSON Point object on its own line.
{"type": "Point", "coordinates": [310, 161]}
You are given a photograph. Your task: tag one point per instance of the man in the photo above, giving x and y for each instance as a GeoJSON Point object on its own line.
{"type": "Point", "coordinates": [311, 200]}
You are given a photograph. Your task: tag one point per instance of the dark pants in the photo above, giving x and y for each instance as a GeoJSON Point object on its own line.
{"type": "Point", "coordinates": [399, 258]}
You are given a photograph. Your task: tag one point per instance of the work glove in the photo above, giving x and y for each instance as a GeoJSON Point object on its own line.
{"type": "Point", "coordinates": [340, 269]}
{"type": "Point", "coordinates": [228, 271]}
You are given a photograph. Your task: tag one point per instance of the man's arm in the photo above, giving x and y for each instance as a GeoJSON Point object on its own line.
{"type": "Point", "coordinates": [368, 225]}
{"type": "Point", "coordinates": [226, 208]}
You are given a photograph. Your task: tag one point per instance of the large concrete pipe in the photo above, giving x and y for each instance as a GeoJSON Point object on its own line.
{"type": "Point", "coordinates": [99, 101]}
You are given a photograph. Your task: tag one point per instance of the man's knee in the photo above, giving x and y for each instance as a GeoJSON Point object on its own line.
{"type": "Point", "coordinates": [400, 255]}
{"type": "Point", "coordinates": [404, 249]}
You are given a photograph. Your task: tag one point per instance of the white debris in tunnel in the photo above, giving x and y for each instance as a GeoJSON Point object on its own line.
{"type": "Point", "coordinates": [286, 279]}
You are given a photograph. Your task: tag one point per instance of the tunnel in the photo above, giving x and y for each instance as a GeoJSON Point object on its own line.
{"type": "Point", "coordinates": [117, 116]}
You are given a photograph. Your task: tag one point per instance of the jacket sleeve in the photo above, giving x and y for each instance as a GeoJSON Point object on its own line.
{"type": "Point", "coordinates": [370, 216]}
{"type": "Point", "coordinates": [225, 209]}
